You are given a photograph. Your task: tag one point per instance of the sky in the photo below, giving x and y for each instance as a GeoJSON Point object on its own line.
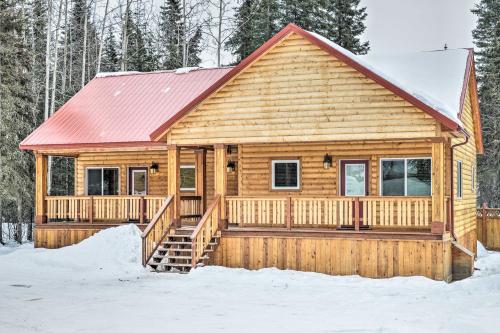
{"type": "Point", "coordinates": [395, 26]}
{"type": "Point", "coordinates": [401, 26]}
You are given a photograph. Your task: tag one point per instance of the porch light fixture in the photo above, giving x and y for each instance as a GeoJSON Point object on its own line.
{"type": "Point", "coordinates": [231, 166]}
{"type": "Point", "coordinates": [327, 161]}
{"type": "Point", "coordinates": [153, 168]}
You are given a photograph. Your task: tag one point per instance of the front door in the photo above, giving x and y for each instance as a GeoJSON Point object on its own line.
{"type": "Point", "coordinates": [354, 180]}
{"type": "Point", "coordinates": [138, 181]}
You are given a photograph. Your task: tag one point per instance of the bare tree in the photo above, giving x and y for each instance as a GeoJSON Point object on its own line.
{"type": "Point", "coordinates": [85, 32]}
{"type": "Point", "coordinates": [101, 44]}
{"type": "Point", "coordinates": [56, 52]}
{"type": "Point", "coordinates": [218, 28]}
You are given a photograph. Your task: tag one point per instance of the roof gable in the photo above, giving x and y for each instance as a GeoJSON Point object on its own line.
{"type": "Point", "coordinates": [331, 48]}
{"type": "Point", "coordinates": [297, 92]}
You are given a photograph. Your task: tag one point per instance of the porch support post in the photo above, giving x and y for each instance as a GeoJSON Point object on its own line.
{"type": "Point", "coordinates": [200, 157]}
{"type": "Point", "coordinates": [174, 182]}
{"type": "Point", "coordinates": [438, 188]}
{"type": "Point", "coordinates": [41, 189]}
{"type": "Point", "coordinates": [220, 170]}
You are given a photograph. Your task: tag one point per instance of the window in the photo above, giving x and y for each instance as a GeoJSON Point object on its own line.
{"type": "Point", "coordinates": [285, 174]}
{"type": "Point", "coordinates": [102, 181]}
{"type": "Point", "coordinates": [188, 178]}
{"type": "Point", "coordinates": [405, 177]}
{"type": "Point", "coordinates": [459, 179]}
{"type": "Point", "coordinates": [138, 180]}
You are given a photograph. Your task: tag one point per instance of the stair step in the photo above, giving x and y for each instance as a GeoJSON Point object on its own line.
{"type": "Point", "coordinates": [172, 264]}
{"type": "Point", "coordinates": [176, 243]}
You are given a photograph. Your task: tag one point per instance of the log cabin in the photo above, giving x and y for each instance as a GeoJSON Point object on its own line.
{"type": "Point", "coordinates": [304, 156]}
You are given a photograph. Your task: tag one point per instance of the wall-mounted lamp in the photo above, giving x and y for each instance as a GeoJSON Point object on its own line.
{"type": "Point", "coordinates": [231, 166]}
{"type": "Point", "coordinates": [153, 168]}
{"type": "Point", "coordinates": [327, 161]}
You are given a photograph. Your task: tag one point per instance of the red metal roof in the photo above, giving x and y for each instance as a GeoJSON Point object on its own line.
{"type": "Point", "coordinates": [121, 109]}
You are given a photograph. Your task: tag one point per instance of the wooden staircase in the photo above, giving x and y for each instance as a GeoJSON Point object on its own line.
{"type": "Point", "coordinates": [169, 249]}
{"type": "Point", "coordinates": [175, 254]}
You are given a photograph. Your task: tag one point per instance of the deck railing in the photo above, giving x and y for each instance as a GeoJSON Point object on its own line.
{"type": "Point", "coordinates": [156, 230]}
{"type": "Point", "coordinates": [206, 229]}
{"type": "Point", "coordinates": [332, 212]}
{"type": "Point", "coordinates": [191, 208]}
{"type": "Point", "coordinates": [103, 208]}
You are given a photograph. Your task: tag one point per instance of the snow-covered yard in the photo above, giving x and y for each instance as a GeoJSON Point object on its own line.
{"type": "Point", "coordinates": [100, 286]}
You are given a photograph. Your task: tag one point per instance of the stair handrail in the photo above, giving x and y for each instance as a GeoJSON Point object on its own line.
{"type": "Point", "coordinates": [206, 229]}
{"type": "Point", "coordinates": [160, 224]}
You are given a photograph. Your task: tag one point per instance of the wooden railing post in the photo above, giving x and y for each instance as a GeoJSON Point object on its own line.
{"type": "Point", "coordinates": [289, 213]}
{"type": "Point", "coordinates": [220, 174]}
{"type": "Point", "coordinates": [41, 189]}
{"type": "Point", "coordinates": [78, 208]}
{"type": "Point", "coordinates": [356, 214]}
{"type": "Point", "coordinates": [174, 182]}
{"type": "Point", "coordinates": [484, 218]}
{"type": "Point", "coordinates": [438, 188]}
{"type": "Point", "coordinates": [142, 210]}
{"type": "Point", "coordinates": [91, 209]}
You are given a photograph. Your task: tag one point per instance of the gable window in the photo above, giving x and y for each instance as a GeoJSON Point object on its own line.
{"type": "Point", "coordinates": [405, 177]}
{"type": "Point", "coordinates": [459, 179]}
{"type": "Point", "coordinates": [102, 181]}
{"type": "Point", "coordinates": [285, 174]}
{"type": "Point", "coordinates": [188, 178]}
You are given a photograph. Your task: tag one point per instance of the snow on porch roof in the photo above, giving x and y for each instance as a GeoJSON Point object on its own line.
{"type": "Point", "coordinates": [121, 108]}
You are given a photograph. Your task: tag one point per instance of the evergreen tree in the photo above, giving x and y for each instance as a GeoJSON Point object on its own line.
{"type": "Point", "coordinates": [241, 42]}
{"type": "Point", "coordinates": [171, 37]}
{"type": "Point", "coordinates": [110, 59]}
{"type": "Point", "coordinates": [140, 57]}
{"type": "Point", "coordinates": [487, 39]}
{"type": "Point", "coordinates": [194, 49]}
{"type": "Point", "coordinates": [170, 27]}
{"type": "Point", "coordinates": [342, 21]}
{"type": "Point", "coordinates": [256, 22]}
{"type": "Point", "coordinates": [301, 12]}
{"type": "Point", "coordinates": [16, 113]}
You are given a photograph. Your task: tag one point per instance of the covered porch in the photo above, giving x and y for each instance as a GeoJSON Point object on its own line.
{"type": "Point", "coordinates": [337, 188]}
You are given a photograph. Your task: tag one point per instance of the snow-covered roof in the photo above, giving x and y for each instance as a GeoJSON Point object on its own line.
{"type": "Point", "coordinates": [436, 78]}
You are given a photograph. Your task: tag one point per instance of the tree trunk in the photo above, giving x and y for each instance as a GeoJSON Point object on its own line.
{"type": "Point", "coordinates": [19, 225]}
{"type": "Point", "coordinates": [54, 72]}
{"type": "Point", "coordinates": [65, 49]}
{"type": "Point", "coordinates": [219, 34]}
{"type": "Point", "coordinates": [47, 85]}
{"type": "Point", "coordinates": [125, 38]}
{"type": "Point", "coordinates": [84, 56]}
{"type": "Point", "coordinates": [101, 44]}
{"type": "Point", "coordinates": [184, 35]}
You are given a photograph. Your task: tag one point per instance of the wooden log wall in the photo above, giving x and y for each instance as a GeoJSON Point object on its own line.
{"type": "Point", "coordinates": [338, 256]}
{"type": "Point", "coordinates": [157, 184]}
{"type": "Point", "coordinates": [465, 207]}
{"type": "Point", "coordinates": [297, 92]}
{"type": "Point", "coordinates": [255, 164]}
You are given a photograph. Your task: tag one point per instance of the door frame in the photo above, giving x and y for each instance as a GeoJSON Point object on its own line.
{"type": "Point", "coordinates": [342, 163]}
{"type": "Point", "coordinates": [131, 179]}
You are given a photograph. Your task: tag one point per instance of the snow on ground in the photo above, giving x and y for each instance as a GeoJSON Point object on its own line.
{"type": "Point", "coordinates": [100, 286]}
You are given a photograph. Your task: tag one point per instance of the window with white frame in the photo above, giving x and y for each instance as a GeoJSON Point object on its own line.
{"type": "Point", "coordinates": [103, 181]}
{"type": "Point", "coordinates": [405, 176]}
{"type": "Point", "coordinates": [188, 178]}
{"type": "Point", "coordinates": [285, 174]}
{"type": "Point", "coordinates": [459, 179]}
